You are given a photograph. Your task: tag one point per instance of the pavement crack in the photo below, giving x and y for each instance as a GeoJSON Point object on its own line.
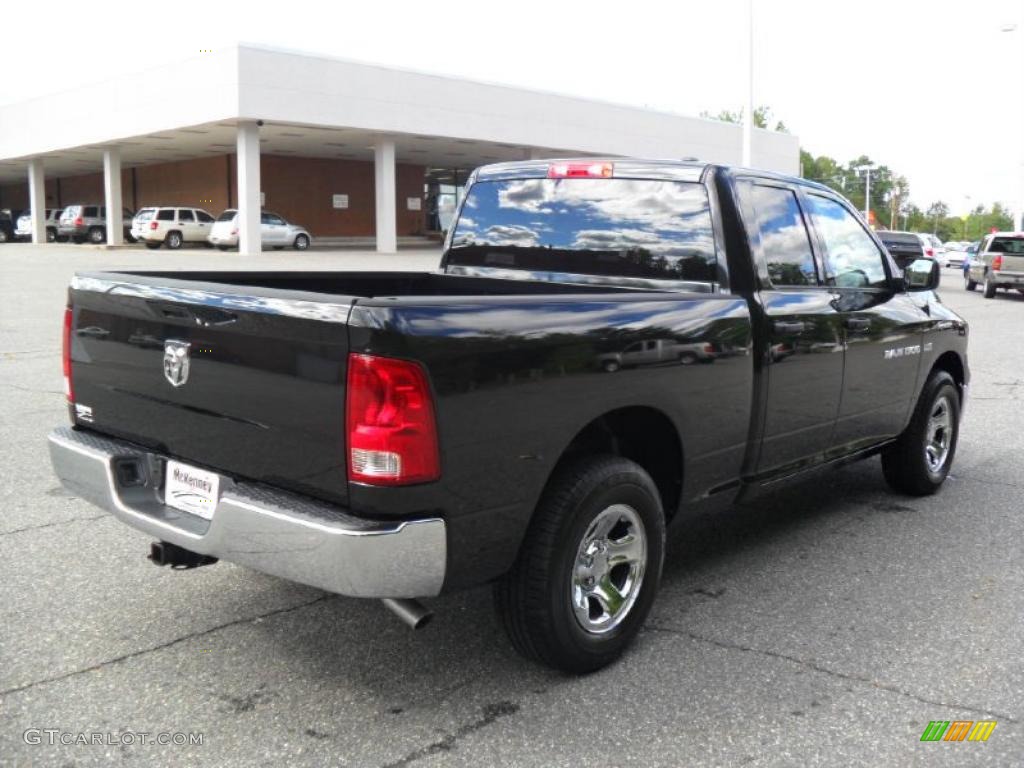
{"type": "Point", "coordinates": [491, 714]}
{"type": "Point", "coordinates": [161, 646]}
{"type": "Point", "coordinates": [830, 672]}
{"type": "Point", "coordinates": [52, 525]}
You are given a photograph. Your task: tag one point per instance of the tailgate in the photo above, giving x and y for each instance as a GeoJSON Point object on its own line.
{"type": "Point", "coordinates": [249, 381]}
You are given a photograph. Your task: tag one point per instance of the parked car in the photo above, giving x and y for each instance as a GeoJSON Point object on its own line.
{"type": "Point", "coordinates": [24, 229]}
{"type": "Point", "coordinates": [904, 247]}
{"type": "Point", "coordinates": [172, 226]}
{"type": "Point", "coordinates": [999, 263]}
{"type": "Point", "coordinates": [933, 247]}
{"type": "Point", "coordinates": [956, 252]}
{"type": "Point", "coordinates": [407, 434]}
{"type": "Point", "coordinates": [655, 352]}
{"type": "Point", "coordinates": [8, 218]}
{"type": "Point", "coordinates": [276, 232]}
{"type": "Point", "coordinates": [79, 223]}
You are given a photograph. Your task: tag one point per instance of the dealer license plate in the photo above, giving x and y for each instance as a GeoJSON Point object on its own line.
{"type": "Point", "coordinates": [191, 490]}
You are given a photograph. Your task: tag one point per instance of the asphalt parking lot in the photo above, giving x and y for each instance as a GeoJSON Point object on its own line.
{"type": "Point", "coordinates": [824, 625]}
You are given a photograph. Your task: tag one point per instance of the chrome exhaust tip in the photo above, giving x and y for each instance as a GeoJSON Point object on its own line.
{"type": "Point", "coordinates": [412, 612]}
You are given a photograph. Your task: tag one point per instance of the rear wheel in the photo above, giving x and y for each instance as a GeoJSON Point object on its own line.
{"type": "Point", "coordinates": [920, 459]}
{"type": "Point", "coordinates": [990, 287]}
{"type": "Point", "coordinates": [173, 240]}
{"type": "Point", "coordinates": [51, 235]}
{"type": "Point", "coordinates": [301, 242]}
{"type": "Point", "coordinates": [688, 358]}
{"type": "Point", "coordinates": [969, 284]}
{"type": "Point", "coordinates": [589, 566]}
{"type": "Point", "coordinates": [97, 235]}
{"type": "Point", "coordinates": [222, 247]}
{"type": "Point", "coordinates": [4, 237]}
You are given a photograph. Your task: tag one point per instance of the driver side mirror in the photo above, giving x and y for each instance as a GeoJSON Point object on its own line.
{"type": "Point", "coordinates": [922, 275]}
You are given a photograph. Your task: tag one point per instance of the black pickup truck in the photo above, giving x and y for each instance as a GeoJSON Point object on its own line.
{"type": "Point", "coordinates": [399, 435]}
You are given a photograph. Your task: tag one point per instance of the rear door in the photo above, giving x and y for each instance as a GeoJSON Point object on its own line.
{"type": "Point", "coordinates": [262, 394]}
{"type": "Point", "coordinates": [882, 329]}
{"type": "Point", "coordinates": [187, 224]}
{"type": "Point", "coordinates": [805, 362]}
{"type": "Point", "coordinates": [274, 230]}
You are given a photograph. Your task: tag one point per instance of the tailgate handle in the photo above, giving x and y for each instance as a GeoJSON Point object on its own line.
{"type": "Point", "coordinates": [202, 315]}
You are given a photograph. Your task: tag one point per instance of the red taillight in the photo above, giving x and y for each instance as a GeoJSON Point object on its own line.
{"type": "Point", "coordinates": [580, 171]}
{"type": "Point", "coordinates": [153, 225]}
{"type": "Point", "coordinates": [78, 221]}
{"type": "Point", "coordinates": [69, 389]}
{"type": "Point", "coordinates": [997, 263]}
{"type": "Point", "coordinates": [389, 414]}
{"type": "Point", "coordinates": [929, 252]}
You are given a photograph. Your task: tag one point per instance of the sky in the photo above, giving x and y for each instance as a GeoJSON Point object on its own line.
{"type": "Point", "coordinates": [931, 89]}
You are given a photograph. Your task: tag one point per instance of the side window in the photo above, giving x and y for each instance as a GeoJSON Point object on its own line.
{"type": "Point", "coordinates": [185, 214]}
{"type": "Point", "coordinates": [265, 218]}
{"type": "Point", "coordinates": [204, 217]}
{"type": "Point", "coordinates": [165, 214]}
{"type": "Point", "coordinates": [785, 244]}
{"type": "Point", "coordinates": [89, 212]}
{"type": "Point", "coordinates": [853, 256]}
{"type": "Point", "coordinates": [273, 218]}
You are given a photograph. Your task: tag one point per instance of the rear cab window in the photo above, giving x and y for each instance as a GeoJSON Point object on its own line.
{"type": "Point", "coordinates": [228, 215]}
{"type": "Point", "coordinates": [615, 227]}
{"type": "Point", "coordinates": [145, 214]}
{"type": "Point", "coordinates": [1009, 245]}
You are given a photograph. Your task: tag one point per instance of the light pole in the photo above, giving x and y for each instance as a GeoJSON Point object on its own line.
{"type": "Point", "coordinates": [867, 190]}
{"type": "Point", "coordinates": [748, 120]}
{"type": "Point", "coordinates": [1018, 208]}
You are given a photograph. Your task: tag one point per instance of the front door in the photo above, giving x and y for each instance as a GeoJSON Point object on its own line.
{"type": "Point", "coordinates": [804, 351]}
{"type": "Point", "coordinates": [882, 328]}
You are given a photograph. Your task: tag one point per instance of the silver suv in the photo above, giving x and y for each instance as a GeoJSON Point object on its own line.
{"type": "Point", "coordinates": [89, 222]}
{"type": "Point", "coordinates": [999, 263]}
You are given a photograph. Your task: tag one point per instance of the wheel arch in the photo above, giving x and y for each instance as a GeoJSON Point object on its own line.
{"type": "Point", "coordinates": [643, 434]}
{"type": "Point", "coordinates": [951, 362]}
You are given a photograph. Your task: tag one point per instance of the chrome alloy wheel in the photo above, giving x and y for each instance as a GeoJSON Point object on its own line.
{"type": "Point", "coordinates": [609, 569]}
{"type": "Point", "coordinates": [939, 434]}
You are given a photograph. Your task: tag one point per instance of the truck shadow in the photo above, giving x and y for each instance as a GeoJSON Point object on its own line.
{"type": "Point", "coordinates": [464, 655]}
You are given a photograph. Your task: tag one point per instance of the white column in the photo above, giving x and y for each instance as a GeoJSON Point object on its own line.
{"type": "Point", "coordinates": [384, 176]}
{"type": "Point", "coordinates": [249, 240]}
{"type": "Point", "coordinates": [37, 199]}
{"type": "Point", "coordinates": [112, 196]}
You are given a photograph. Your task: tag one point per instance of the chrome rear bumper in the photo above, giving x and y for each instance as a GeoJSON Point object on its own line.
{"type": "Point", "coordinates": [265, 529]}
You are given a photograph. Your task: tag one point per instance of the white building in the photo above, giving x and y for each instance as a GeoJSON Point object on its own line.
{"type": "Point", "coordinates": [345, 148]}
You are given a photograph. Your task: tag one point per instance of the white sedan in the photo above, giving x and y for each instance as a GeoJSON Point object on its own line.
{"type": "Point", "coordinates": [276, 232]}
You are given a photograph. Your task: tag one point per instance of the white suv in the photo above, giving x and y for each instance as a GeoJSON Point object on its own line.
{"type": "Point", "coordinates": [172, 227]}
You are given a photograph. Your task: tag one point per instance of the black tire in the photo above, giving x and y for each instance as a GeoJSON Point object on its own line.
{"type": "Point", "coordinates": [969, 284]}
{"type": "Point", "coordinates": [535, 599]}
{"type": "Point", "coordinates": [301, 242]}
{"type": "Point", "coordinates": [4, 237]}
{"type": "Point", "coordinates": [173, 240]}
{"type": "Point", "coordinates": [990, 288]}
{"type": "Point", "coordinates": [153, 245]}
{"type": "Point", "coordinates": [51, 235]}
{"type": "Point", "coordinates": [687, 358]}
{"type": "Point", "coordinates": [222, 247]}
{"type": "Point", "coordinates": [609, 366]}
{"type": "Point", "coordinates": [97, 235]}
{"type": "Point", "coordinates": [906, 463]}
